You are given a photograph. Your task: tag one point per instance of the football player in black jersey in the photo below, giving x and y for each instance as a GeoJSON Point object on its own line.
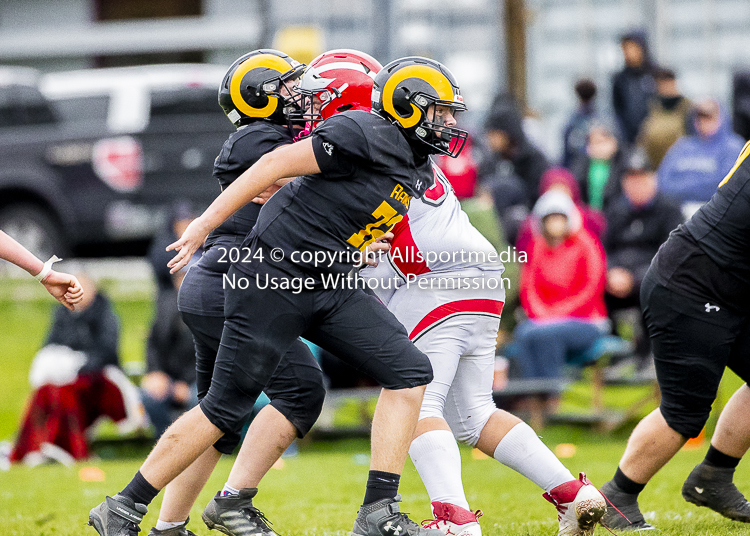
{"type": "Point", "coordinates": [357, 173]}
{"type": "Point", "coordinates": [296, 388]}
{"type": "Point", "coordinates": [695, 300]}
{"type": "Point", "coordinates": [256, 95]}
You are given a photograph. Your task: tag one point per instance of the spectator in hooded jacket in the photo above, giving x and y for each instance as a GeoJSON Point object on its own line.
{"type": "Point", "coordinates": [561, 179]}
{"type": "Point", "coordinates": [168, 388]}
{"type": "Point", "coordinates": [600, 168]}
{"type": "Point", "coordinates": [577, 129]}
{"type": "Point", "coordinates": [77, 380]}
{"type": "Point", "coordinates": [668, 117]}
{"type": "Point", "coordinates": [561, 290]}
{"type": "Point", "coordinates": [695, 165]}
{"type": "Point", "coordinates": [638, 222]}
{"type": "Point", "coordinates": [633, 86]}
{"type": "Point", "coordinates": [512, 166]}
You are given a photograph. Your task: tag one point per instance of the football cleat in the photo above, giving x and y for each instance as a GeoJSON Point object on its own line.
{"type": "Point", "coordinates": [235, 515]}
{"type": "Point", "coordinates": [454, 520]}
{"type": "Point", "coordinates": [623, 513]}
{"type": "Point", "coordinates": [713, 488]}
{"type": "Point", "coordinates": [117, 516]}
{"type": "Point", "coordinates": [383, 518]}
{"type": "Point", "coordinates": [179, 530]}
{"type": "Point", "coordinates": [579, 505]}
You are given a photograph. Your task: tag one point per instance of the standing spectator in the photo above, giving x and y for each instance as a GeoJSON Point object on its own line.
{"type": "Point", "coordinates": [633, 86]}
{"type": "Point", "coordinates": [638, 222]}
{"type": "Point", "coordinates": [668, 117]}
{"type": "Point", "coordinates": [695, 165]}
{"type": "Point", "coordinates": [577, 130]}
{"type": "Point", "coordinates": [77, 381]}
{"type": "Point", "coordinates": [168, 387]}
{"type": "Point", "coordinates": [513, 166]}
{"type": "Point", "coordinates": [562, 290]}
{"type": "Point", "coordinates": [600, 168]}
{"type": "Point", "coordinates": [561, 179]}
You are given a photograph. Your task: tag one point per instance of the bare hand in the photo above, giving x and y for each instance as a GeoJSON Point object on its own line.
{"type": "Point", "coordinates": [192, 239]}
{"type": "Point", "coordinates": [376, 248]}
{"type": "Point", "coordinates": [157, 384]}
{"type": "Point", "coordinates": [181, 392]}
{"type": "Point", "coordinates": [266, 194]}
{"type": "Point", "coordinates": [65, 288]}
{"type": "Point", "coordinates": [620, 282]}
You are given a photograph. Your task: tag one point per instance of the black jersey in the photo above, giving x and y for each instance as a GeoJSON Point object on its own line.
{"type": "Point", "coordinates": [201, 292]}
{"type": "Point", "coordinates": [369, 174]}
{"type": "Point", "coordinates": [241, 150]}
{"type": "Point", "coordinates": [709, 255]}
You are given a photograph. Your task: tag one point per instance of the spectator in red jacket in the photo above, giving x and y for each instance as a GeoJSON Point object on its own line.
{"type": "Point", "coordinates": [561, 179]}
{"type": "Point", "coordinates": [562, 290]}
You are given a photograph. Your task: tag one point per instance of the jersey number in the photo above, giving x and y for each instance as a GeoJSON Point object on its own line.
{"type": "Point", "coordinates": [386, 216]}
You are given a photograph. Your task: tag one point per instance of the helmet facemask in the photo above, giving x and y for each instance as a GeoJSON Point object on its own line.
{"type": "Point", "coordinates": [432, 129]}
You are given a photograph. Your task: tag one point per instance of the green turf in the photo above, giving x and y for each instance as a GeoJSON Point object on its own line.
{"type": "Point", "coordinates": [318, 492]}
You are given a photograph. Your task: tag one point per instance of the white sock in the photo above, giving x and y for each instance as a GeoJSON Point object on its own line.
{"type": "Point", "coordinates": [229, 491]}
{"type": "Point", "coordinates": [523, 451]}
{"type": "Point", "coordinates": [164, 525]}
{"type": "Point", "coordinates": [437, 459]}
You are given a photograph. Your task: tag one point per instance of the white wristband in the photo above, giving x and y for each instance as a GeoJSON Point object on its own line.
{"type": "Point", "coordinates": [47, 268]}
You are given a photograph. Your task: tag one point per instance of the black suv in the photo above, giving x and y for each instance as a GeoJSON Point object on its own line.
{"type": "Point", "coordinates": [92, 160]}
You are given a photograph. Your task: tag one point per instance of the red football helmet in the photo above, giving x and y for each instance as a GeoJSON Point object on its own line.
{"type": "Point", "coordinates": [337, 81]}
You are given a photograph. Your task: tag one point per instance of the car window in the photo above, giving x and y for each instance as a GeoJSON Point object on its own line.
{"type": "Point", "coordinates": [84, 109]}
{"type": "Point", "coordinates": [24, 105]}
{"type": "Point", "coordinates": [189, 100]}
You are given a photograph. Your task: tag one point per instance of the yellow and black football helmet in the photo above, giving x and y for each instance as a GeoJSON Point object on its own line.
{"type": "Point", "coordinates": [251, 89]}
{"type": "Point", "coordinates": [403, 92]}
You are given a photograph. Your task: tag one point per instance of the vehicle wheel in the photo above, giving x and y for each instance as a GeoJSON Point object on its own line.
{"type": "Point", "coordinates": [35, 228]}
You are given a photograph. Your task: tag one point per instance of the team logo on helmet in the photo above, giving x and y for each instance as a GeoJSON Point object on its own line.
{"type": "Point", "coordinates": [259, 85]}
{"type": "Point", "coordinates": [334, 82]}
{"type": "Point", "coordinates": [415, 93]}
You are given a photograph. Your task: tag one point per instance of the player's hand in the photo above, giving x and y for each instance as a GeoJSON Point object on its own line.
{"type": "Point", "coordinates": [193, 238]}
{"type": "Point", "coordinates": [266, 194]}
{"type": "Point", "coordinates": [378, 247]}
{"type": "Point", "coordinates": [65, 288]}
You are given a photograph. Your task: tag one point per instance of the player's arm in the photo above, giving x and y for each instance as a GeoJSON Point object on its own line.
{"type": "Point", "coordinates": [288, 161]}
{"type": "Point", "coordinates": [65, 288]}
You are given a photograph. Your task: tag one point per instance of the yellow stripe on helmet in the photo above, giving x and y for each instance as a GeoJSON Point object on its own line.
{"type": "Point", "coordinates": [432, 76]}
{"type": "Point", "coordinates": [743, 155]}
{"type": "Point", "coordinates": [268, 61]}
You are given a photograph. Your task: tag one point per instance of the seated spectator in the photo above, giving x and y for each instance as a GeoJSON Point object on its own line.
{"type": "Point", "coordinates": [77, 381]}
{"type": "Point", "coordinates": [577, 129]}
{"type": "Point", "coordinates": [179, 217]}
{"type": "Point", "coordinates": [168, 388]}
{"type": "Point", "coordinates": [668, 117]}
{"type": "Point", "coordinates": [562, 290]}
{"type": "Point", "coordinates": [638, 222]}
{"type": "Point", "coordinates": [599, 169]}
{"type": "Point", "coordinates": [563, 180]}
{"type": "Point", "coordinates": [511, 167]}
{"type": "Point", "coordinates": [695, 165]}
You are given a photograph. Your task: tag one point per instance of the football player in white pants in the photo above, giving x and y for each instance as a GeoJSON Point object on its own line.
{"type": "Point", "coordinates": [440, 281]}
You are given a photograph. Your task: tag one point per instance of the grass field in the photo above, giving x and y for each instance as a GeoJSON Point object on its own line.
{"type": "Point", "coordinates": [318, 491]}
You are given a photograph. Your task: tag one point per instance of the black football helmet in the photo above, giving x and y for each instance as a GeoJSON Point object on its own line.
{"type": "Point", "coordinates": [251, 89]}
{"type": "Point", "coordinates": [403, 92]}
